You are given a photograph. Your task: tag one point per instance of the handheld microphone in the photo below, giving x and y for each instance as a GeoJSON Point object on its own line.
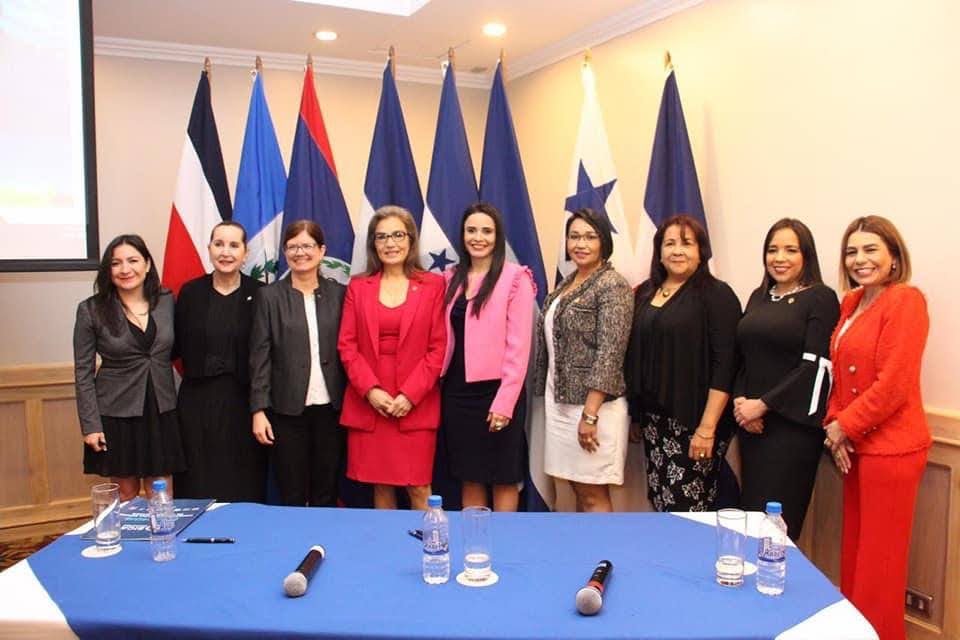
{"type": "Point", "coordinates": [295, 584]}
{"type": "Point", "coordinates": [590, 597]}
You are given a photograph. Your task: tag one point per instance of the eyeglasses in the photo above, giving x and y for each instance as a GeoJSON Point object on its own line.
{"type": "Point", "coordinates": [294, 249]}
{"type": "Point", "coordinates": [396, 236]}
{"type": "Point", "coordinates": [574, 238]}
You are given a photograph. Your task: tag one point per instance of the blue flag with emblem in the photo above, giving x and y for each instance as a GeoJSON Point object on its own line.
{"type": "Point", "coordinates": [391, 173]}
{"type": "Point", "coordinates": [261, 188]}
{"type": "Point", "coordinates": [453, 184]}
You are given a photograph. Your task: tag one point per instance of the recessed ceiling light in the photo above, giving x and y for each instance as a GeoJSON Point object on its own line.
{"type": "Point", "coordinates": [494, 29]}
{"type": "Point", "coordinates": [326, 36]}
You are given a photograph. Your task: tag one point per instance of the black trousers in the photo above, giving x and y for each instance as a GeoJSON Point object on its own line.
{"type": "Point", "coordinates": [307, 451]}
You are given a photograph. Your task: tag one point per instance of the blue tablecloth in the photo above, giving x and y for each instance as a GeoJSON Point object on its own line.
{"type": "Point", "coordinates": [369, 586]}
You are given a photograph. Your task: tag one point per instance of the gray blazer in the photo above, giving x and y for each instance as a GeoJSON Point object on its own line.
{"type": "Point", "coordinates": [280, 346]}
{"type": "Point", "coordinates": [591, 327]}
{"type": "Point", "coordinates": [119, 388]}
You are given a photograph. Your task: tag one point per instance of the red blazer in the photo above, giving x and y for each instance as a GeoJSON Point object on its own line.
{"type": "Point", "coordinates": [876, 366]}
{"type": "Point", "coordinates": [423, 340]}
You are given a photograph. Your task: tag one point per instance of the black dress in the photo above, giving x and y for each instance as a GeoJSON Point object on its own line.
{"type": "Point", "coordinates": [677, 353]}
{"type": "Point", "coordinates": [141, 446]}
{"type": "Point", "coordinates": [475, 454]}
{"type": "Point", "coordinates": [785, 349]}
{"type": "Point", "coordinates": [224, 460]}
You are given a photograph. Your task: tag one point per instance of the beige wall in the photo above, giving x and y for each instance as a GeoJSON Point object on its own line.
{"type": "Point", "coordinates": [142, 111]}
{"type": "Point", "coordinates": [821, 109]}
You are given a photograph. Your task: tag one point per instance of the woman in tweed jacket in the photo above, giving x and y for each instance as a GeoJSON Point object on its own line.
{"type": "Point", "coordinates": [582, 337]}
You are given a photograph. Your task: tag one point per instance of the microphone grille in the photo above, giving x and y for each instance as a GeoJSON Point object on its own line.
{"type": "Point", "coordinates": [295, 584]}
{"type": "Point", "coordinates": [589, 601]}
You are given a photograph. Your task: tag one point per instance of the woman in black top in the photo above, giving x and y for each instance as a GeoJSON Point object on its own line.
{"type": "Point", "coordinates": [784, 379]}
{"type": "Point", "coordinates": [214, 314]}
{"type": "Point", "coordinates": [680, 368]}
{"type": "Point", "coordinates": [127, 408]}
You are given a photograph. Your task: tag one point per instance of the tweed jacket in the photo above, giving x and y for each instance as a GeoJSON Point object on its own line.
{"type": "Point", "coordinates": [591, 327]}
{"type": "Point", "coordinates": [119, 388]}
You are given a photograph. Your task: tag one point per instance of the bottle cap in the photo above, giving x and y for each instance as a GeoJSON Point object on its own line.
{"type": "Point", "coordinates": [774, 508]}
{"type": "Point", "coordinates": [435, 501]}
{"type": "Point", "coordinates": [160, 485]}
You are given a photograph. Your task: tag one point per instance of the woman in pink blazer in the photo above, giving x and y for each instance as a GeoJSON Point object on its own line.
{"type": "Point", "coordinates": [489, 310]}
{"type": "Point", "coordinates": [392, 339]}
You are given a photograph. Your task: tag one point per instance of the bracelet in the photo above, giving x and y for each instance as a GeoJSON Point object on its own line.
{"type": "Point", "coordinates": [698, 434]}
{"type": "Point", "coordinates": [589, 419]}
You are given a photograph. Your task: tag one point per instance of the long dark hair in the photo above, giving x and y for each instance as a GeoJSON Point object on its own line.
{"type": "Point", "coordinates": [658, 272]}
{"type": "Point", "coordinates": [105, 295]}
{"type": "Point", "coordinates": [499, 255]}
{"type": "Point", "coordinates": [810, 274]}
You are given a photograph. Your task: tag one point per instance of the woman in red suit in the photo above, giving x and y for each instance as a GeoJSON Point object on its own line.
{"type": "Point", "coordinates": [392, 342]}
{"type": "Point", "coordinates": [876, 427]}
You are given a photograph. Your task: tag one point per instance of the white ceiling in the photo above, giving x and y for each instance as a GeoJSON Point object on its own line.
{"type": "Point", "coordinates": [539, 32]}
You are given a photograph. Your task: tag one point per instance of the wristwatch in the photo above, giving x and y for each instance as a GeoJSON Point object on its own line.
{"type": "Point", "coordinates": [589, 419]}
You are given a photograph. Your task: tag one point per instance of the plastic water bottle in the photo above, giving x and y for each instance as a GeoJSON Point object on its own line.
{"type": "Point", "coordinates": [772, 554]}
{"type": "Point", "coordinates": [436, 543]}
{"type": "Point", "coordinates": [163, 521]}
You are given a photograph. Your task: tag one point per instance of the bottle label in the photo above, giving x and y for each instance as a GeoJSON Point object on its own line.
{"type": "Point", "coordinates": [771, 551]}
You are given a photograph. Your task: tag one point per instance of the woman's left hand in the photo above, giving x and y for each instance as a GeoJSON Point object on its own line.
{"type": "Point", "coordinates": [839, 445]}
{"type": "Point", "coordinates": [400, 406]}
{"type": "Point", "coordinates": [701, 446]}
{"type": "Point", "coordinates": [497, 421]}
{"type": "Point", "coordinates": [748, 410]}
{"type": "Point", "coordinates": [587, 434]}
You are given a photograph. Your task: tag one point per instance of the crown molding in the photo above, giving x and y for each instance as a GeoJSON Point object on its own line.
{"type": "Point", "coordinates": [627, 21]}
{"type": "Point", "coordinates": [194, 54]}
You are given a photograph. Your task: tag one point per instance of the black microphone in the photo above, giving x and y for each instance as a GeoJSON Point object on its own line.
{"type": "Point", "coordinates": [590, 597]}
{"type": "Point", "coordinates": [296, 583]}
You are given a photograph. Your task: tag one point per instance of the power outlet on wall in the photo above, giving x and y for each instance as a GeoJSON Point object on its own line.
{"type": "Point", "coordinates": [919, 604]}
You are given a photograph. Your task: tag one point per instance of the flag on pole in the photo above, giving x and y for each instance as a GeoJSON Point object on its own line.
{"type": "Point", "coordinates": [593, 184]}
{"type": "Point", "coordinates": [672, 185]}
{"type": "Point", "coordinates": [313, 190]}
{"type": "Point", "coordinates": [201, 199]}
{"type": "Point", "coordinates": [453, 184]}
{"type": "Point", "coordinates": [261, 188]}
{"type": "Point", "coordinates": [502, 184]}
{"type": "Point", "coordinates": [391, 174]}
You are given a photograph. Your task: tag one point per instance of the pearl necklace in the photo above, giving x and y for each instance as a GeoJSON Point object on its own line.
{"type": "Point", "coordinates": [775, 297]}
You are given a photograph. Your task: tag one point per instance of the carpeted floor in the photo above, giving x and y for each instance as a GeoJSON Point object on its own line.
{"type": "Point", "coordinates": [16, 550]}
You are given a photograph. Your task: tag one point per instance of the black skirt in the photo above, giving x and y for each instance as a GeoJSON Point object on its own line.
{"type": "Point", "coordinates": [224, 460]}
{"type": "Point", "coordinates": [141, 446]}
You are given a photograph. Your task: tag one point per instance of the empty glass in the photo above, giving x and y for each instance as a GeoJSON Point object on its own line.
{"type": "Point", "coordinates": [106, 515]}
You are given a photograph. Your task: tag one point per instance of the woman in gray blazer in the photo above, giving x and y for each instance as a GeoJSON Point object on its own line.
{"type": "Point", "coordinates": [127, 409]}
{"type": "Point", "coordinates": [582, 337]}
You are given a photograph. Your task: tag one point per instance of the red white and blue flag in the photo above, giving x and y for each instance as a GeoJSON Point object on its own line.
{"type": "Point", "coordinates": [201, 199]}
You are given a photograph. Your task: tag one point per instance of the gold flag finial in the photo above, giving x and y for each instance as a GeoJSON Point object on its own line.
{"type": "Point", "coordinates": [258, 65]}
{"type": "Point", "coordinates": [207, 66]}
{"type": "Point", "coordinates": [392, 57]}
{"type": "Point", "coordinates": [667, 61]}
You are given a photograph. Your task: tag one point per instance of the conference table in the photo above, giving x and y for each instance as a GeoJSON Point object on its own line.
{"type": "Point", "coordinates": [369, 585]}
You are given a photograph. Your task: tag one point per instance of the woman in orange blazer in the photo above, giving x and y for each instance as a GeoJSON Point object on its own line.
{"type": "Point", "coordinates": [393, 338]}
{"type": "Point", "coordinates": [876, 427]}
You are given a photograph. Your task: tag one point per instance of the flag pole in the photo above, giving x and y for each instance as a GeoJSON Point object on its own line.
{"type": "Point", "coordinates": [587, 56]}
{"type": "Point", "coordinates": [503, 64]}
{"type": "Point", "coordinates": [392, 58]}
{"type": "Point", "coordinates": [667, 61]}
{"type": "Point", "coordinates": [257, 67]}
{"type": "Point", "coordinates": [310, 61]}
{"type": "Point", "coordinates": [207, 67]}
{"type": "Point", "coordinates": [451, 58]}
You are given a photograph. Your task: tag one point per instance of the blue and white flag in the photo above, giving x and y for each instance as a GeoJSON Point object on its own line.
{"type": "Point", "coordinates": [503, 184]}
{"type": "Point", "coordinates": [313, 190]}
{"type": "Point", "coordinates": [261, 188]}
{"type": "Point", "coordinates": [672, 185]}
{"type": "Point", "coordinates": [391, 173]}
{"type": "Point", "coordinates": [593, 184]}
{"type": "Point", "coordinates": [453, 184]}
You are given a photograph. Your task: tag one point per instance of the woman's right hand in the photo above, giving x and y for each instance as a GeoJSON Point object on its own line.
{"type": "Point", "coordinates": [96, 441]}
{"type": "Point", "coordinates": [754, 426]}
{"type": "Point", "coordinates": [262, 429]}
{"type": "Point", "coordinates": [380, 400]}
{"type": "Point", "coordinates": [587, 436]}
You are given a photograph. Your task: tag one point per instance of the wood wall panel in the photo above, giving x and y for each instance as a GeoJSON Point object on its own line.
{"type": "Point", "coordinates": [14, 465]}
{"type": "Point", "coordinates": [64, 450]}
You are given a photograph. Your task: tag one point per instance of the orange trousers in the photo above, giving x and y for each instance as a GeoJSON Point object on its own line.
{"type": "Point", "coordinates": [879, 495]}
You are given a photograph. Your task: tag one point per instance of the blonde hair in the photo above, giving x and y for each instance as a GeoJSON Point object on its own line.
{"type": "Point", "coordinates": [411, 265]}
{"type": "Point", "coordinates": [900, 270]}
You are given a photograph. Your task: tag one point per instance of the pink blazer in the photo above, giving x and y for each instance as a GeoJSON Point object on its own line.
{"type": "Point", "coordinates": [497, 344]}
{"type": "Point", "coordinates": [419, 352]}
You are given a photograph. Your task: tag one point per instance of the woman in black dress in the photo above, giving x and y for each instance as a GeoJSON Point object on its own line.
{"type": "Point", "coordinates": [214, 314]}
{"type": "Point", "coordinates": [680, 368]}
{"type": "Point", "coordinates": [127, 408]}
{"type": "Point", "coordinates": [489, 304]}
{"type": "Point", "coordinates": [784, 379]}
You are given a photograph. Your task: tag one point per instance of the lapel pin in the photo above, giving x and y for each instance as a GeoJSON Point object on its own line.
{"type": "Point", "coordinates": [790, 301]}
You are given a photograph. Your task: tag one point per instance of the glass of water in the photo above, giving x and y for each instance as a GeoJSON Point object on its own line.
{"type": "Point", "coordinates": [731, 544]}
{"type": "Point", "coordinates": [477, 543]}
{"type": "Point", "coordinates": [106, 515]}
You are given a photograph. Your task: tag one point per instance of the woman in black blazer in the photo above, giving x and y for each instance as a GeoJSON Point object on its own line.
{"type": "Point", "coordinates": [213, 319]}
{"type": "Point", "coordinates": [127, 409]}
{"type": "Point", "coordinates": [296, 378]}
